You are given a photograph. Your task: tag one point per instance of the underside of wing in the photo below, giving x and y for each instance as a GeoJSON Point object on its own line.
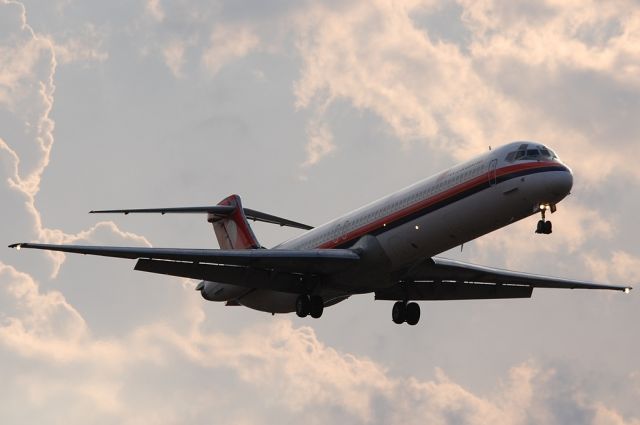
{"type": "Point", "coordinates": [319, 261]}
{"type": "Point", "coordinates": [444, 279]}
{"type": "Point", "coordinates": [250, 277]}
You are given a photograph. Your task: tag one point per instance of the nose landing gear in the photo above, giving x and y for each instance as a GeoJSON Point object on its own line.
{"type": "Point", "coordinates": [544, 227]}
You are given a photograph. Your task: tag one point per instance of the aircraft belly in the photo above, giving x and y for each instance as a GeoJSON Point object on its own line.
{"type": "Point", "coordinates": [282, 302]}
{"type": "Point", "coordinates": [269, 301]}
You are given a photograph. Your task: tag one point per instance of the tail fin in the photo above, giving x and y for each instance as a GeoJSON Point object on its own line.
{"type": "Point", "coordinates": [233, 230]}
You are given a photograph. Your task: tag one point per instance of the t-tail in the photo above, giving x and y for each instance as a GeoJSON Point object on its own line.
{"type": "Point", "coordinates": [233, 230]}
{"type": "Point", "coordinates": [229, 219]}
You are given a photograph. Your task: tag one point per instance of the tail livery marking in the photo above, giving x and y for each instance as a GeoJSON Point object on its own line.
{"type": "Point", "coordinates": [233, 230]}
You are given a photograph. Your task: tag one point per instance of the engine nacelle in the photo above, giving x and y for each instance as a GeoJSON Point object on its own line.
{"type": "Point", "coordinates": [214, 291]}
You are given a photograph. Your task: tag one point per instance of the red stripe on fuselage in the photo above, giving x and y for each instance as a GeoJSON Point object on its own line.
{"type": "Point", "coordinates": [410, 209]}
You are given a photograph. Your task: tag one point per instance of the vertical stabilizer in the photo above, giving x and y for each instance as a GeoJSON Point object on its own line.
{"type": "Point", "coordinates": [233, 230]}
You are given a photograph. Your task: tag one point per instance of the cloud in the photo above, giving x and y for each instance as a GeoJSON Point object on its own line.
{"type": "Point", "coordinates": [585, 35]}
{"type": "Point", "coordinates": [173, 54]}
{"type": "Point", "coordinates": [85, 46]}
{"type": "Point", "coordinates": [287, 367]}
{"type": "Point", "coordinates": [523, 72]}
{"type": "Point", "coordinates": [377, 58]}
{"type": "Point", "coordinates": [620, 266]}
{"type": "Point", "coordinates": [226, 44]}
{"type": "Point", "coordinates": [155, 10]}
{"type": "Point", "coordinates": [192, 364]}
{"type": "Point", "coordinates": [320, 142]}
{"type": "Point", "coordinates": [27, 75]}
{"type": "Point", "coordinates": [606, 416]}
{"type": "Point", "coordinates": [42, 325]}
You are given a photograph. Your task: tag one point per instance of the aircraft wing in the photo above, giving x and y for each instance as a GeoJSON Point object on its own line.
{"type": "Point", "coordinates": [444, 279]}
{"type": "Point", "coordinates": [294, 261]}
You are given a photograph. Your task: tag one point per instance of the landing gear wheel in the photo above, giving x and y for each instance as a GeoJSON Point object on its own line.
{"type": "Point", "coordinates": [316, 306]}
{"type": "Point", "coordinates": [303, 305]}
{"type": "Point", "coordinates": [544, 226]}
{"type": "Point", "coordinates": [412, 313]}
{"type": "Point", "coordinates": [398, 312]}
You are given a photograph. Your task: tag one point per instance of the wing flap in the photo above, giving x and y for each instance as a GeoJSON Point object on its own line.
{"type": "Point", "coordinates": [423, 291]}
{"type": "Point", "coordinates": [303, 261]}
{"type": "Point", "coordinates": [241, 276]}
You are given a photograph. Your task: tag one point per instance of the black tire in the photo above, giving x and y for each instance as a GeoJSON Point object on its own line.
{"type": "Point", "coordinates": [547, 228]}
{"type": "Point", "coordinates": [540, 227]}
{"type": "Point", "coordinates": [316, 306]}
{"type": "Point", "coordinates": [302, 306]}
{"type": "Point", "coordinates": [398, 312]}
{"type": "Point", "coordinates": [412, 313]}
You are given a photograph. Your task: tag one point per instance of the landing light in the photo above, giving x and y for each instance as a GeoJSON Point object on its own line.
{"type": "Point", "coordinates": [627, 290]}
{"type": "Point", "coordinates": [417, 227]}
{"type": "Point", "coordinates": [18, 248]}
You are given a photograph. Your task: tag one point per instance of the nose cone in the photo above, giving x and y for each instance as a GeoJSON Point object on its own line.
{"type": "Point", "coordinates": [561, 183]}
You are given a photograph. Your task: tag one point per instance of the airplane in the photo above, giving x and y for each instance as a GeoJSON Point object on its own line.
{"type": "Point", "coordinates": [388, 247]}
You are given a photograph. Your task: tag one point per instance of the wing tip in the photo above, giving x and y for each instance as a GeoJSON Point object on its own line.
{"type": "Point", "coordinates": [17, 246]}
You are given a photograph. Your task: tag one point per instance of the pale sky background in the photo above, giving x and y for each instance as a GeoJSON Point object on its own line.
{"type": "Point", "coordinates": [308, 109]}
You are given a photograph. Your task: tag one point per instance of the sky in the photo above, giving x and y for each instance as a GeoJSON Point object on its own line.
{"type": "Point", "coordinates": [309, 109]}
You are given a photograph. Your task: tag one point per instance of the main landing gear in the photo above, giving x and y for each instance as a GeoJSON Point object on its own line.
{"type": "Point", "coordinates": [544, 227]}
{"type": "Point", "coordinates": [405, 312]}
{"type": "Point", "coordinates": [312, 305]}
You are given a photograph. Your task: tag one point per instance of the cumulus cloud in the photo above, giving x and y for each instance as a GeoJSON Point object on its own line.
{"type": "Point", "coordinates": [320, 142]}
{"type": "Point", "coordinates": [155, 10]}
{"type": "Point", "coordinates": [228, 43]}
{"type": "Point", "coordinates": [513, 78]}
{"type": "Point", "coordinates": [166, 371]}
{"type": "Point", "coordinates": [376, 57]}
{"type": "Point", "coordinates": [173, 54]}
{"type": "Point", "coordinates": [288, 367]}
{"type": "Point", "coordinates": [586, 35]}
{"type": "Point", "coordinates": [619, 266]}
{"type": "Point", "coordinates": [84, 46]}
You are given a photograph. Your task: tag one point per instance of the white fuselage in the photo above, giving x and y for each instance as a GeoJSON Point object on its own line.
{"type": "Point", "coordinates": [433, 215]}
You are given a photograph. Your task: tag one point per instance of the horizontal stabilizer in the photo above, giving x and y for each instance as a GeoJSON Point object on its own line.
{"type": "Point", "coordinates": [219, 210]}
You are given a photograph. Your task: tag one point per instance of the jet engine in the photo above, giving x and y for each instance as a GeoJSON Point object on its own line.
{"type": "Point", "coordinates": [215, 291]}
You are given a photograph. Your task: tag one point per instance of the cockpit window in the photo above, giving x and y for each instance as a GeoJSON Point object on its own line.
{"type": "Point", "coordinates": [531, 153]}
